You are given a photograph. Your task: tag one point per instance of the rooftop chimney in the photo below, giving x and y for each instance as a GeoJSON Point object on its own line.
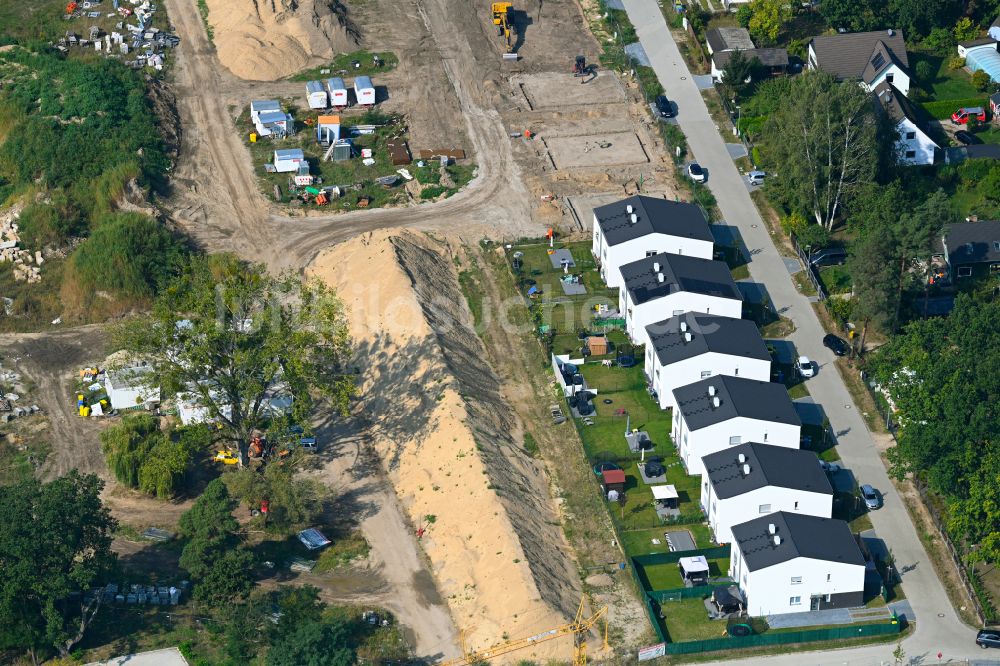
{"type": "Point", "coordinates": [715, 402]}
{"type": "Point", "coordinates": [633, 218]}
{"type": "Point", "coordinates": [772, 528]}
{"type": "Point", "coordinates": [746, 470]}
{"type": "Point", "coordinates": [628, 209]}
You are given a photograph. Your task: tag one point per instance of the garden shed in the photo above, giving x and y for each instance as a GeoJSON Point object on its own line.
{"type": "Point", "coordinates": [613, 480]}
{"type": "Point", "coordinates": [597, 345]}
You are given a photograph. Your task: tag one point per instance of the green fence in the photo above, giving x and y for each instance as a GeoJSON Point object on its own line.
{"type": "Point", "coordinates": [806, 636]}
{"type": "Point", "coordinates": [678, 593]}
{"type": "Point", "coordinates": [670, 558]}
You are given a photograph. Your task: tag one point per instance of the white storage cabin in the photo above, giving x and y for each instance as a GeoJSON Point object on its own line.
{"type": "Point", "coordinates": [328, 129]}
{"type": "Point", "coordinates": [338, 92]}
{"type": "Point", "coordinates": [364, 90]}
{"type": "Point", "coordinates": [259, 106]}
{"type": "Point", "coordinates": [316, 95]}
{"type": "Point", "coordinates": [288, 160]}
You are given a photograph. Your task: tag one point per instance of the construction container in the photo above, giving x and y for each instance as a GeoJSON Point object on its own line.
{"type": "Point", "coordinates": [288, 160]}
{"type": "Point", "coordinates": [259, 106]}
{"type": "Point", "coordinates": [338, 92]}
{"type": "Point", "coordinates": [342, 151]}
{"type": "Point", "coordinates": [316, 95]}
{"type": "Point", "coordinates": [364, 91]}
{"type": "Point", "coordinates": [328, 129]}
{"type": "Point", "coordinates": [302, 176]}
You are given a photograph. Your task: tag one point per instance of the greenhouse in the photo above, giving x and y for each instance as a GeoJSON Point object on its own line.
{"type": "Point", "coordinates": [985, 58]}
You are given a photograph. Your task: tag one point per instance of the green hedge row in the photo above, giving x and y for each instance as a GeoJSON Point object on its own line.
{"type": "Point", "coordinates": [943, 109]}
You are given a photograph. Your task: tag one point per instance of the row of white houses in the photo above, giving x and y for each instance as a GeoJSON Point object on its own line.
{"type": "Point", "coordinates": [732, 426]}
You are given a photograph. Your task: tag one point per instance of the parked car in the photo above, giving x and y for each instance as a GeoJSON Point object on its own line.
{"type": "Point", "coordinates": [664, 107]}
{"type": "Point", "coordinates": [756, 177]}
{"type": "Point", "coordinates": [696, 173]}
{"type": "Point", "coordinates": [835, 344]}
{"type": "Point", "coordinates": [831, 256]}
{"type": "Point", "coordinates": [966, 138]}
{"type": "Point", "coordinates": [962, 116]}
{"type": "Point", "coordinates": [988, 638]}
{"type": "Point", "coordinates": [804, 366]}
{"type": "Point", "coordinates": [829, 467]}
{"type": "Point", "coordinates": [870, 497]}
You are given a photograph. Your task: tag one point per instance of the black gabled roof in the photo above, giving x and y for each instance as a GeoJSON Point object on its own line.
{"type": "Point", "coordinates": [737, 396]}
{"type": "Point", "coordinates": [849, 55]}
{"type": "Point", "coordinates": [708, 333]}
{"type": "Point", "coordinates": [729, 39]}
{"type": "Point", "coordinates": [764, 465]}
{"type": "Point", "coordinates": [653, 216]}
{"type": "Point", "coordinates": [972, 242]}
{"type": "Point", "coordinates": [799, 536]}
{"type": "Point", "coordinates": [680, 273]}
{"type": "Point", "coordinates": [897, 107]}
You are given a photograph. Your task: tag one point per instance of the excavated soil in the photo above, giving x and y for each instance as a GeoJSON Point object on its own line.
{"type": "Point", "coordinates": [265, 40]}
{"type": "Point", "coordinates": [450, 444]}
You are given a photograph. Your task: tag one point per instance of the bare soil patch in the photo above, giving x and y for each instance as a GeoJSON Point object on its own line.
{"type": "Point", "coordinates": [596, 150]}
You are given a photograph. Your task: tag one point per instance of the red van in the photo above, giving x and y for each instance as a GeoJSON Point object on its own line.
{"type": "Point", "coordinates": [962, 116]}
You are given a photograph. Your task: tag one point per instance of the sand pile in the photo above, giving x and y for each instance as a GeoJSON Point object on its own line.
{"type": "Point", "coordinates": [265, 40]}
{"type": "Point", "coordinates": [451, 445]}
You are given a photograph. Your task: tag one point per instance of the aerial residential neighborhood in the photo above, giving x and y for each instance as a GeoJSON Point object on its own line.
{"type": "Point", "coordinates": [462, 333]}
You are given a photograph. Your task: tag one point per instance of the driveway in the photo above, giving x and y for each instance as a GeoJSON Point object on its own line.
{"type": "Point", "coordinates": [941, 630]}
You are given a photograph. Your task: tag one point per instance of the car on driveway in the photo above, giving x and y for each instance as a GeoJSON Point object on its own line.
{"type": "Point", "coordinates": [988, 638]}
{"type": "Point", "coordinates": [966, 138]}
{"type": "Point", "coordinates": [870, 497]}
{"type": "Point", "coordinates": [835, 344]}
{"type": "Point", "coordinates": [963, 115]}
{"type": "Point", "coordinates": [804, 366]}
{"type": "Point", "coordinates": [664, 108]}
{"type": "Point", "coordinates": [696, 173]}
{"type": "Point", "coordinates": [831, 256]}
{"type": "Point", "coordinates": [756, 177]}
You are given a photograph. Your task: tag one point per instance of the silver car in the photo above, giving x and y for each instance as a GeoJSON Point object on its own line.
{"type": "Point", "coordinates": [870, 497]}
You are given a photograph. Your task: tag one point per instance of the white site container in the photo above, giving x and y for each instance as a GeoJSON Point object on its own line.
{"type": "Point", "coordinates": [364, 91]}
{"type": "Point", "coordinates": [338, 92]}
{"type": "Point", "coordinates": [316, 95]}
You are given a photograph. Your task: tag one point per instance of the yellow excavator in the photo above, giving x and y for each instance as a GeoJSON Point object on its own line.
{"type": "Point", "coordinates": [505, 26]}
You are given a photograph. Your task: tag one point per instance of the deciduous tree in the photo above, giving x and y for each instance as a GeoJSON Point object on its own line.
{"type": "Point", "coordinates": [766, 19]}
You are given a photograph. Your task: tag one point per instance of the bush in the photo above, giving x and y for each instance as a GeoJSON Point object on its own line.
{"type": "Point", "coordinates": [924, 71]}
{"type": "Point", "coordinates": [981, 80]}
{"type": "Point", "coordinates": [943, 109]}
{"type": "Point", "coordinates": [755, 156]}
{"type": "Point", "coordinates": [940, 40]}
{"type": "Point", "coordinates": [958, 62]}
{"type": "Point", "coordinates": [432, 192]}
{"type": "Point", "coordinates": [49, 224]}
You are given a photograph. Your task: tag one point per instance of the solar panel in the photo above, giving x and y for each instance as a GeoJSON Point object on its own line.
{"type": "Point", "coordinates": [878, 61]}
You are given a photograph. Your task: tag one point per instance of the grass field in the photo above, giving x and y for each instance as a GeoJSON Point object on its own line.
{"type": "Point", "coordinates": [343, 66]}
{"type": "Point", "coordinates": [687, 620]}
{"type": "Point", "coordinates": [668, 576]}
{"type": "Point", "coordinates": [946, 83]}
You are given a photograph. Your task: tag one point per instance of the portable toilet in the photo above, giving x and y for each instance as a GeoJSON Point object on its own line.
{"type": "Point", "coordinates": [316, 95]}
{"type": "Point", "coordinates": [364, 91]}
{"type": "Point", "coordinates": [328, 129]}
{"type": "Point", "coordinates": [338, 93]}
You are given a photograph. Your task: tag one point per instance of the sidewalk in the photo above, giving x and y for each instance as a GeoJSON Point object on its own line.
{"type": "Point", "coordinates": [940, 629]}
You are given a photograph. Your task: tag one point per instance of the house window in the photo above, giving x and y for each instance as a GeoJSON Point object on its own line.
{"type": "Point", "coordinates": [713, 507]}
{"type": "Point", "coordinates": [736, 372]}
{"type": "Point", "coordinates": [796, 580]}
{"type": "Point", "coordinates": [765, 436]}
{"type": "Point", "coordinates": [685, 439]}
{"type": "Point", "coordinates": [965, 271]}
{"type": "Point", "coordinates": [911, 135]}
{"type": "Point", "coordinates": [996, 245]}
{"type": "Point", "coordinates": [828, 598]}
{"type": "Point", "coordinates": [764, 508]}
{"type": "Point", "coordinates": [796, 506]}
{"type": "Point", "coordinates": [828, 580]}
{"type": "Point", "coordinates": [889, 76]}
{"type": "Point", "coordinates": [657, 373]}
{"type": "Point", "coordinates": [738, 439]}
{"type": "Point", "coordinates": [706, 373]}
{"type": "Point", "coordinates": [910, 154]}
{"type": "Point", "coordinates": [794, 601]}
{"type": "Point", "coordinates": [651, 253]}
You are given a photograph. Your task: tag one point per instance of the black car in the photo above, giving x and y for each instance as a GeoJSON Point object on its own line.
{"type": "Point", "coordinates": [837, 345]}
{"type": "Point", "coordinates": [967, 138]}
{"type": "Point", "coordinates": [831, 256]}
{"type": "Point", "coordinates": [988, 638]}
{"type": "Point", "coordinates": [664, 107]}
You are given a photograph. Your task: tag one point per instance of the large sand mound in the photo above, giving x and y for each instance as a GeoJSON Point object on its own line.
{"type": "Point", "coordinates": [450, 444]}
{"type": "Point", "coordinates": [265, 40]}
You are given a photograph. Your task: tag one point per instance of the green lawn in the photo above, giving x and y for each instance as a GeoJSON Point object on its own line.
{"type": "Point", "coordinates": [342, 65]}
{"type": "Point", "coordinates": [668, 576]}
{"type": "Point", "coordinates": [640, 542]}
{"type": "Point", "coordinates": [835, 279]}
{"type": "Point", "coordinates": [946, 83]}
{"type": "Point", "coordinates": [687, 620]}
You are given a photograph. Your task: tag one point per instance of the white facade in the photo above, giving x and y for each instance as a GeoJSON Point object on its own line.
{"type": "Point", "coordinates": [895, 75]}
{"type": "Point", "coordinates": [129, 388]}
{"type": "Point", "coordinates": [665, 378]}
{"type": "Point", "coordinates": [338, 92]}
{"type": "Point", "coordinates": [364, 90]}
{"type": "Point", "coordinates": [316, 95]}
{"type": "Point", "coordinates": [638, 317]}
{"type": "Point", "coordinates": [724, 513]}
{"type": "Point", "coordinates": [613, 257]}
{"type": "Point", "coordinates": [788, 587]}
{"type": "Point", "coordinates": [914, 146]}
{"type": "Point", "coordinates": [288, 160]}
{"type": "Point", "coordinates": [694, 444]}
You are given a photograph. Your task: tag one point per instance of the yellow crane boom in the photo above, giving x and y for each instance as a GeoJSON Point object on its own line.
{"type": "Point", "coordinates": [502, 19]}
{"type": "Point", "coordinates": [578, 628]}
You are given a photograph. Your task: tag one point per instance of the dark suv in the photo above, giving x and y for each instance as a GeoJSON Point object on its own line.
{"type": "Point", "coordinates": [664, 107]}
{"type": "Point", "coordinates": [988, 638]}
{"type": "Point", "coordinates": [835, 344]}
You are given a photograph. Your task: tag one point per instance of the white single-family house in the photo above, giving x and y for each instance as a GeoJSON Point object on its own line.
{"type": "Point", "coordinates": [748, 481]}
{"type": "Point", "coordinates": [869, 57]}
{"type": "Point", "coordinates": [722, 412]}
{"type": "Point", "coordinates": [641, 226]}
{"type": "Point", "coordinates": [914, 144]}
{"type": "Point", "coordinates": [792, 563]}
{"type": "Point", "coordinates": [287, 160]}
{"type": "Point", "coordinates": [132, 387]}
{"type": "Point", "coordinates": [694, 346]}
{"type": "Point", "coordinates": [666, 285]}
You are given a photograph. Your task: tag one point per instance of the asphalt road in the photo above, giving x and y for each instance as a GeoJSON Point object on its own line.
{"type": "Point", "coordinates": [938, 628]}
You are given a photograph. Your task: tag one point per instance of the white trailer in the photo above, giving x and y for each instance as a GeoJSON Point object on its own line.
{"type": "Point", "coordinates": [364, 91]}
{"type": "Point", "coordinates": [288, 160]}
{"type": "Point", "coordinates": [338, 93]}
{"type": "Point", "coordinates": [316, 95]}
{"type": "Point", "coordinates": [259, 106]}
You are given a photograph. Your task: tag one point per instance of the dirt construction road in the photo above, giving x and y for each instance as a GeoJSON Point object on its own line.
{"type": "Point", "coordinates": [216, 196]}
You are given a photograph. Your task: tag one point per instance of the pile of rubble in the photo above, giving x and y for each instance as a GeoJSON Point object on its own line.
{"type": "Point", "coordinates": [8, 409]}
{"type": "Point", "coordinates": [26, 265]}
{"type": "Point", "coordinates": [141, 37]}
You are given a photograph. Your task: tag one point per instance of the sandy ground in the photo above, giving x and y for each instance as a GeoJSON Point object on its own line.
{"type": "Point", "coordinates": [264, 41]}
{"type": "Point", "coordinates": [435, 408]}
